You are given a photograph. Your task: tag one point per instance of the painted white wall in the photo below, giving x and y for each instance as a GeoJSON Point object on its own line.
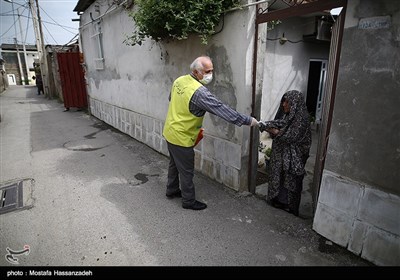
{"type": "Point", "coordinates": [133, 76]}
{"type": "Point", "coordinates": [30, 57]}
{"type": "Point", "coordinates": [286, 65]}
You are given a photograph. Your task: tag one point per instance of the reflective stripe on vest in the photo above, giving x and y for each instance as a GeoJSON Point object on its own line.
{"type": "Point", "coordinates": [181, 126]}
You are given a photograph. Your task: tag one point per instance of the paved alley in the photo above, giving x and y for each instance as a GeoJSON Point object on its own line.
{"type": "Point", "coordinates": [93, 196]}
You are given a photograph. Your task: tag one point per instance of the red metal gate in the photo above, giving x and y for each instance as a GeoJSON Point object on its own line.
{"type": "Point", "coordinates": [72, 80]}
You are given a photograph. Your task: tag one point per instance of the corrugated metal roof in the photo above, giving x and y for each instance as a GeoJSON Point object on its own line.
{"type": "Point", "coordinates": [82, 5]}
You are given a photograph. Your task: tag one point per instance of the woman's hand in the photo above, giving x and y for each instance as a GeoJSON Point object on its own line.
{"type": "Point", "coordinates": [273, 131]}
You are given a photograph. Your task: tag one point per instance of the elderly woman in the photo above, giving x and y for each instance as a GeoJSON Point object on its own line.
{"type": "Point", "coordinates": [291, 134]}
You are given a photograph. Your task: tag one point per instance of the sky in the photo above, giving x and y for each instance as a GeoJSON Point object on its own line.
{"type": "Point", "coordinates": [56, 16]}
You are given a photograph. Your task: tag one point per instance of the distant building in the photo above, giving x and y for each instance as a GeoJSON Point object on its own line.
{"type": "Point", "coordinates": [12, 68]}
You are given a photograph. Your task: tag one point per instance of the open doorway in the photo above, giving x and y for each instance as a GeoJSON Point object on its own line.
{"type": "Point", "coordinates": [298, 56]}
{"type": "Point", "coordinates": [11, 79]}
{"type": "Point", "coordinates": [315, 88]}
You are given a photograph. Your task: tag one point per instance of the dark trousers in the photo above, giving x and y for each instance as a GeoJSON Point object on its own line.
{"type": "Point", "coordinates": [291, 198]}
{"type": "Point", "coordinates": [181, 172]}
{"type": "Point", "coordinates": [40, 89]}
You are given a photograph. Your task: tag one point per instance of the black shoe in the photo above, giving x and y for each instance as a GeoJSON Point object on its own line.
{"type": "Point", "coordinates": [175, 194]}
{"type": "Point", "coordinates": [197, 205]}
{"type": "Point", "coordinates": [277, 204]}
{"type": "Point", "coordinates": [294, 212]}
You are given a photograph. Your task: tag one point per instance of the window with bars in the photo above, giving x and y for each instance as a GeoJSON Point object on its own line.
{"type": "Point", "coordinates": [98, 45]}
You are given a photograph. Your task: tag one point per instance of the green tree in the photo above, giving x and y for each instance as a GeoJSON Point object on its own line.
{"type": "Point", "coordinates": [172, 19]}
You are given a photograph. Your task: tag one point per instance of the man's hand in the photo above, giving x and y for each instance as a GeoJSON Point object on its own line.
{"type": "Point", "coordinates": [261, 126]}
{"type": "Point", "coordinates": [254, 122]}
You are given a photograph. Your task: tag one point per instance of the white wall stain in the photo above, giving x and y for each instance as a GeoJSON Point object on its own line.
{"type": "Point", "coordinates": [346, 124]}
{"type": "Point", "coordinates": [375, 70]}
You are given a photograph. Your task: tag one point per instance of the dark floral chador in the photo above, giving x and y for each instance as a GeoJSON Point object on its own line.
{"type": "Point", "coordinates": [290, 151]}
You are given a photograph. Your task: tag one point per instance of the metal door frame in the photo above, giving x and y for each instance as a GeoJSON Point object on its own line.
{"type": "Point", "coordinates": [321, 87]}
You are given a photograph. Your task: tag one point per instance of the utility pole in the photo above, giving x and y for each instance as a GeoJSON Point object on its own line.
{"type": "Point", "coordinates": [23, 45]}
{"type": "Point", "coordinates": [21, 73]}
{"type": "Point", "coordinates": [37, 26]}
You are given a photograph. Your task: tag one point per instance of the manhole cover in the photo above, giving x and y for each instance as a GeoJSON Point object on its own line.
{"type": "Point", "coordinates": [15, 195]}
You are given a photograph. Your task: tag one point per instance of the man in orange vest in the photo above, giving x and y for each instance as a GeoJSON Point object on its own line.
{"type": "Point", "coordinates": [189, 101]}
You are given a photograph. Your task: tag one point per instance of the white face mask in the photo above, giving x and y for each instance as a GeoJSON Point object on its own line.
{"type": "Point", "coordinates": [206, 79]}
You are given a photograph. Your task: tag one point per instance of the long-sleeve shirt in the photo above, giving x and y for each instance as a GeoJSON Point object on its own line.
{"type": "Point", "coordinates": [203, 100]}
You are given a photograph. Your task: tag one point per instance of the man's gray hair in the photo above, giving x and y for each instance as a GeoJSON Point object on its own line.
{"type": "Point", "coordinates": [197, 65]}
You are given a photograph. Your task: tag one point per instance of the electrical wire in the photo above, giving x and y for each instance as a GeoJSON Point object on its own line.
{"type": "Point", "coordinates": [48, 22]}
{"type": "Point", "coordinates": [56, 22]}
{"type": "Point", "coordinates": [50, 34]}
{"type": "Point", "coordinates": [27, 25]}
{"type": "Point", "coordinates": [15, 22]}
{"type": "Point", "coordinates": [70, 41]}
{"type": "Point", "coordinates": [69, 29]}
{"type": "Point", "coordinates": [222, 27]}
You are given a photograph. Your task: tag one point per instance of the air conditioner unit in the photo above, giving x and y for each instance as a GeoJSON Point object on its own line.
{"type": "Point", "coordinates": [321, 31]}
{"type": "Point", "coordinates": [324, 30]}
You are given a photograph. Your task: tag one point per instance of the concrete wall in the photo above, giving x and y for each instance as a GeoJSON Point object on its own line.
{"type": "Point", "coordinates": [3, 81]}
{"type": "Point", "coordinates": [286, 65]}
{"type": "Point", "coordinates": [56, 79]}
{"type": "Point", "coordinates": [52, 89]}
{"type": "Point", "coordinates": [359, 204]}
{"type": "Point", "coordinates": [131, 93]}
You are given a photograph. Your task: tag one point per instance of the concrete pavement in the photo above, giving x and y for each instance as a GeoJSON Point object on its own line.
{"type": "Point", "coordinates": [96, 197]}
